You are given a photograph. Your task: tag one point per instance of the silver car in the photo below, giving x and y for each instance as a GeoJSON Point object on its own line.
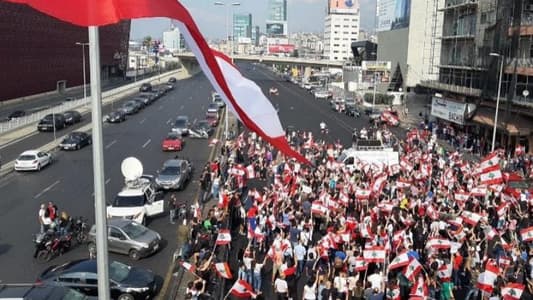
{"type": "Point", "coordinates": [174, 175]}
{"type": "Point", "coordinates": [127, 237]}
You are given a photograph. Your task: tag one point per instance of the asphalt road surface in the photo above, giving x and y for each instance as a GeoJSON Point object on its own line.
{"type": "Point", "coordinates": [69, 181]}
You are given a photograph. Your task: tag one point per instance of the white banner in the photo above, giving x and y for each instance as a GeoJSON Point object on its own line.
{"type": "Point", "coordinates": [448, 110]}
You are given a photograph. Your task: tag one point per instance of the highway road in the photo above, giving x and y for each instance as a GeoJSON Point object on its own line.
{"type": "Point", "coordinates": [69, 182]}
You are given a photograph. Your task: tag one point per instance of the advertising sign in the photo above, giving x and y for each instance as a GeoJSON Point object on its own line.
{"type": "Point", "coordinates": [288, 48]}
{"type": "Point", "coordinates": [275, 28]}
{"type": "Point", "coordinates": [393, 14]}
{"type": "Point", "coordinates": [379, 71]}
{"type": "Point", "coordinates": [448, 110]}
{"type": "Point", "coordinates": [343, 6]}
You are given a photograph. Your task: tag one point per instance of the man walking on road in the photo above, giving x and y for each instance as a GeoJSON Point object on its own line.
{"type": "Point", "coordinates": [172, 205]}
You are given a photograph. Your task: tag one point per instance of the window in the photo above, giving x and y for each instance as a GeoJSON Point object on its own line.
{"type": "Point", "coordinates": [115, 233]}
{"type": "Point", "coordinates": [69, 279]}
{"type": "Point", "coordinates": [92, 281]}
{"type": "Point", "coordinates": [337, 26]}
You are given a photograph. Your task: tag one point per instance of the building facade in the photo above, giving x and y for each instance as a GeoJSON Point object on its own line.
{"type": "Point", "coordinates": [173, 40]}
{"type": "Point", "coordinates": [242, 26]}
{"type": "Point", "coordinates": [477, 38]}
{"type": "Point", "coordinates": [39, 53]}
{"type": "Point", "coordinates": [408, 37]}
{"type": "Point", "coordinates": [276, 23]}
{"type": "Point", "coordinates": [341, 28]}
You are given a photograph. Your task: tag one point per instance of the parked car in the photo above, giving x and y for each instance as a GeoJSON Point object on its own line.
{"type": "Point", "coordinates": [127, 237]}
{"type": "Point", "coordinates": [216, 98]}
{"type": "Point", "coordinates": [131, 107]}
{"type": "Point", "coordinates": [126, 282]}
{"type": "Point", "coordinates": [140, 103]}
{"type": "Point", "coordinates": [40, 291]}
{"type": "Point", "coordinates": [174, 174]}
{"type": "Point", "coordinates": [201, 130]}
{"type": "Point", "coordinates": [76, 140]}
{"type": "Point", "coordinates": [32, 160]}
{"type": "Point", "coordinates": [212, 119]}
{"type": "Point", "coordinates": [16, 114]}
{"type": "Point", "coordinates": [51, 121]}
{"type": "Point", "coordinates": [116, 116]}
{"type": "Point", "coordinates": [172, 142]}
{"type": "Point", "coordinates": [172, 80]}
{"type": "Point", "coordinates": [213, 108]}
{"type": "Point", "coordinates": [144, 99]}
{"type": "Point", "coordinates": [181, 125]}
{"type": "Point", "coordinates": [72, 117]}
{"type": "Point", "coordinates": [145, 87]}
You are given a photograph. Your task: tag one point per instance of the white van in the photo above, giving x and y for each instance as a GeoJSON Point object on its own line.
{"type": "Point", "coordinates": [370, 152]}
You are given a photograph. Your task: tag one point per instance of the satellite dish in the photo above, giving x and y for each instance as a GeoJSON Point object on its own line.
{"type": "Point", "coordinates": [131, 168]}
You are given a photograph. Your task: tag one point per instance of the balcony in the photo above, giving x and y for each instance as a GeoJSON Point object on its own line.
{"type": "Point", "coordinates": [462, 90]}
{"type": "Point", "coordinates": [524, 66]}
{"type": "Point", "coordinates": [458, 4]}
{"type": "Point", "coordinates": [466, 36]}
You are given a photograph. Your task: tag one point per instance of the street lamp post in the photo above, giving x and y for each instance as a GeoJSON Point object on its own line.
{"type": "Point", "coordinates": [374, 93]}
{"type": "Point", "coordinates": [84, 75]}
{"type": "Point", "coordinates": [499, 56]}
{"type": "Point", "coordinates": [230, 55]}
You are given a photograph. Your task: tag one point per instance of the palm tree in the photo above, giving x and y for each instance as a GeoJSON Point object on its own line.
{"type": "Point", "coordinates": [147, 42]}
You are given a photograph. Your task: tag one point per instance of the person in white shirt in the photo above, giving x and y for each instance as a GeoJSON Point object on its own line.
{"type": "Point", "coordinates": [310, 291]}
{"type": "Point", "coordinates": [281, 288]}
{"type": "Point", "coordinates": [42, 218]}
{"type": "Point", "coordinates": [299, 255]}
{"type": "Point", "coordinates": [341, 284]}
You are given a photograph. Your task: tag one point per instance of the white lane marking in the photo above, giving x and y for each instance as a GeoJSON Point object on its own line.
{"type": "Point", "coordinates": [47, 189]}
{"type": "Point", "coordinates": [147, 142]}
{"type": "Point", "coordinates": [110, 144]}
{"type": "Point", "coordinates": [108, 180]}
{"type": "Point", "coordinates": [160, 107]}
{"type": "Point", "coordinates": [181, 107]}
{"type": "Point", "coordinates": [169, 120]}
{"type": "Point", "coordinates": [142, 121]}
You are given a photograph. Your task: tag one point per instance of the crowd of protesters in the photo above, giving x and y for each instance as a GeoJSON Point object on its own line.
{"type": "Point", "coordinates": [433, 226]}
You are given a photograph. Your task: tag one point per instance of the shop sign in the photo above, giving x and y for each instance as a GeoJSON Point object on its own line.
{"type": "Point", "coordinates": [448, 110]}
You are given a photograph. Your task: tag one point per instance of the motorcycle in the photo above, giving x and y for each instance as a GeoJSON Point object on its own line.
{"type": "Point", "coordinates": [80, 227]}
{"type": "Point", "coordinates": [51, 244]}
{"type": "Point", "coordinates": [273, 91]}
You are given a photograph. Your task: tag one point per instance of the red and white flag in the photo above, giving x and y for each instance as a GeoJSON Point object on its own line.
{"type": "Point", "coordinates": [412, 269]}
{"type": "Point", "coordinates": [444, 273]}
{"type": "Point", "coordinates": [403, 183]}
{"type": "Point", "coordinates": [224, 237]}
{"type": "Point", "coordinates": [471, 218]}
{"type": "Point", "coordinates": [250, 172]}
{"type": "Point", "coordinates": [242, 289]}
{"type": "Point", "coordinates": [317, 208]}
{"type": "Point", "coordinates": [360, 264]}
{"type": "Point", "coordinates": [187, 266]}
{"type": "Point", "coordinates": [491, 177]}
{"type": "Point", "coordinates": [485, 280]}
{"type": "Point", "coordinates": [513, 291]}
{"type": "Point", "coordinates": [420, 290]}
{"type": "Point", "coordinates": [489, 163]}
{"type": "Point", "coordinates": [457, 221]}
{"type": "Point", "coordinates": [519, 150]}
{"type": "Point", "coordinates": [374, 254]}
{"type": "Point", "coordinates": [223, 270]}
{"type": "Point", "coordinates": [399, 261]}
{"type": "Point", "coordinates": [502, 208]}
{"type": "Point", "coordinates": [437, 243]}
{"type": "Point", "coordinates": [479, 191]}
{"type": "Point", "coordinates": [243, 97]}
{"type": "Point", "coordinates": [362, 194]}
{"type": "Point", "coordinates": [379, 183]}
{"type": "Point", "coordinates": [458, 196]}
{"type": "Point", "coordinates": [527, 234]}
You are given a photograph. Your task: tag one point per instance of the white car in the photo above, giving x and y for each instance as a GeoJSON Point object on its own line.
{"type": "Point", "coordinates": [32, 160]}
{"type": "Point", "coordinates": [323, 94]}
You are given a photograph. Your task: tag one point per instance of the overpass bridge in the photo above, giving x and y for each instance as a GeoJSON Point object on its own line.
{"type": "Point", "coordinates": [189, 61]}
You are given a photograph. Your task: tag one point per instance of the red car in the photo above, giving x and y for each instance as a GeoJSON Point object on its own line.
{"type": "Point", "coordinates": [173, 142]}
{"type": "Point", "coordinates": [212, 119]}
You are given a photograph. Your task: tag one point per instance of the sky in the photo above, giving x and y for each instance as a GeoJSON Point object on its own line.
{"type": "Point", "coordinates": [303, 16]}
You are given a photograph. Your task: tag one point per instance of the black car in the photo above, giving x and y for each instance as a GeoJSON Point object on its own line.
{"type": "Point", "coordinates": [116, 116]}
{"type": "Point", "coordinates": [140, 102]}
{"type": "Point", "coordinates": [72, 117]}
{"type": "Point", "coordinates": [16, 114]}
{"type": "Point", "coordinates": [352, 111]}
{"type": "Point", "coordinates": [51, 121]}
{"type": "Point", "coordinates": [131, 107]}
{"type": "Point", "coordinates": [145, 87]}
{"type": "Point", "coordinates": [126, 282]}
{"type": "Point", "coordinates": [40, 292]}
{"type": "Point", "coordinates": [76, 140]}
{"type": "Point", "coordinates": [172, 80]}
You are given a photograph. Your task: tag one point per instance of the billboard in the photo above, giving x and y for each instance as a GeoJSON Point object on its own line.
{"type": "Point", "coordinates": [376, 70]}
{"type": "Point", "coordinates": [393, 14]}
{"type": "Point", "coordinates": [448, 110]}
{"type": "Point", "coordinates": [276, 28]}
{"type": "Point", "coordinates": [343, 6]}
{"type": "Point", "coordinates": [288, 48]}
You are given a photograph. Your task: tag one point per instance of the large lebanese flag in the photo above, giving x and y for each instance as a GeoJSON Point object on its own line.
{"type": "Point", "coordinates": [485, 281]}
{"type": "Point", "coordinates": [491, 177]}
{"type": "Point", "coordinates": [374, 254]}
{"type": "Point", "coordinates": [223, 270]}
{"type": "Point", "coordinates": [489, 163]}
{"type": "Point", "coordinates": [244, 98]}
{"type": "Point", "coordinates": [223, 237]}
{"type": "Point", "coordinates": [242, 289]}
{"type": "Point", "coordinates": [399, 261]}
{"type": "Point", "coordinates": [513, 291]}
{"type": "Point", "coordinates": [420, 290]}
{"type": "Point", "coordinates": [412, 269]}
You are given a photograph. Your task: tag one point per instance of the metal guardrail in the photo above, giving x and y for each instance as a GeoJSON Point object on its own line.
{"type": "Point", "coordinates": [18, 123]}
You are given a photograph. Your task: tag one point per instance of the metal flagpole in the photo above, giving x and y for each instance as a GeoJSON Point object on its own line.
{"type": "Point", "coordinates": [98, 166]}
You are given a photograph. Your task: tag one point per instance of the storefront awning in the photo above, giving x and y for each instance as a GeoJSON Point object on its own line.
{"type": "Point", "coordinates": [517, 125]}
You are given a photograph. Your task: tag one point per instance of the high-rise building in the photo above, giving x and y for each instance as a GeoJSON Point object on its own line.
{"type": "Point", "coordinates": [242, 26]}
{"type": "Point", "coordinates": [276, 23]}
{"type": "Point", "coordinates": [341, 28]}
{"type": "Point", "coordinates": [172, 40]}
{"type": "Point", "coordinates": [408, 38]}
